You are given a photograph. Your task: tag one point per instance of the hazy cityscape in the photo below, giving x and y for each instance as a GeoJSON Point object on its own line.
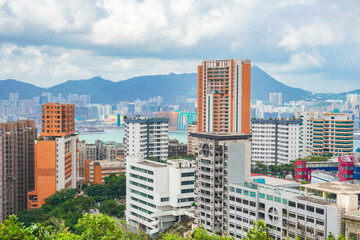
{"type": "Point", "coordinates": [196, 128]}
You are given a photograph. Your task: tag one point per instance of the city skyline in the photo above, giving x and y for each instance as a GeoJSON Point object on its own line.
{"type": "Point", "coordinates": [58, 41]}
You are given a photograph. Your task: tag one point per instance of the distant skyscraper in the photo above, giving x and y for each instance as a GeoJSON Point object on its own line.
{"type": "Point", "coordinates": [275, 98]}
{"type": "Point", "coordinates": [56, 155]}
{"type": "Point", "coordinates": [17, 165]}
{"type": "Point", "coordinates": [224, 96]}
{"type": "Point", "coordinates": [184, 119]}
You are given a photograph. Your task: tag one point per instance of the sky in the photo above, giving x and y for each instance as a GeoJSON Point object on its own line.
{"type": "Point", "coordinates": [314, 45]}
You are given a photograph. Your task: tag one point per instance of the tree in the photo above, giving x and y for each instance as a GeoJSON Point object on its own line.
{"type": "Point", "coordinates": [115, 186]}
{"type": "Point", "coordinates": [201, 234]}
{"type": "Point", "coordinates": [95, 190]}
{"type": "Point", "coordinates": [113, 208]}
{"type": "Point", "coordinates": [98, 227]}
{"type": "Point", "coordinates": [11, 229]}
{"type": "Point", "coordinates": [61, 196]}
{"type": "Point", "coordinates": [260, 231]}
{"type": "Point", "coordinates": [31, 216]}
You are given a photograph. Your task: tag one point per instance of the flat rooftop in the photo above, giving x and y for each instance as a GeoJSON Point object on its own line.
{"type": "Point", "coordinates": [221, 136]}
{"type": "Point", "coordinates": [152, 164]}
{"type": "Point", "coordinates": [313, 200]}
{"type": "Point", "coordinates": [274, 181]}
{"type": "Point", "coordinates": [335, 187]}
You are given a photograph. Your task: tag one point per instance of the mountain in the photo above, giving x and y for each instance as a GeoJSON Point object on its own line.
{"type": "Point", "coordinates": [168, 86]}
{"type": "Point", "coordinates": [262, 84]}
{"type": "Point", "coordinates": [25, 90]}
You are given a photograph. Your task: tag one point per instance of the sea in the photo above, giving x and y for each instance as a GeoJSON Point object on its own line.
{"type": "Point", "coordinates": [117, 135]}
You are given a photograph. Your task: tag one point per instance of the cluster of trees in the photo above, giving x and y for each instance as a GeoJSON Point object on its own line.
{"type": "Point", "coordinates": [96, 227]}
{"type": "Point", "coordinates": [274, 170]}
{"type": "Point", "coordinates": [69, 205]}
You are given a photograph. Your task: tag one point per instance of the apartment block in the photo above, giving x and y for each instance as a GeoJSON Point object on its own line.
{"type": "Point", "coordinates": [17, 140]}
{"type": "Point", "coordinates": [56, 154]}
{"type": "Point", "coordinates": [96, 171]}
{"type": "Point", "coordinates": [173, 119]}
{"type": "Point", "coordinates": [292, 213]}
{"type": "Point", "coordinates": [191, 142]}
{"type": "Point", "coordinates": [327, 133]}
{"type": "Point", "coordinates": [224, 96]}
{"type": "Point", "coordinates": [177, 149]}
{"type": "Point", "coordinates": [158, 194]}
{"type": "Point", "coordinates": [221, 159]}
{"type": "Point", "coordinates": [99, 151]}
{"type": "Point", "coordinates": [275, 141]}
{"type": "Point", "coordinates": [147, 136]}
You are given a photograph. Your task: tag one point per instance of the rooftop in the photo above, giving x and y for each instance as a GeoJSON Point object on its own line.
{"type": "Point", "coordinates": [274, 181]}
{"type": "Point", "coordinates": [335, 187]}
{"type": "Point", "coordinates": [221, 136]}
{"type": "Point", "coordinates": [313, 200]}
{"type": "Point", "coordinates": [150, 163]}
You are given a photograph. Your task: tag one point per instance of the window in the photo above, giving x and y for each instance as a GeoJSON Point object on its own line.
{"type": "Point", "coordinates": [320, 211]}
{"type": "Point", "coordinates": [141, 178]}
{"type": "Point", "coordinates": [277, 199]}
{"type": "Point", "coordinates": [252, 204]}
{"type": "Point", "coordinates": [238, 190]}
{"type": "Point", "coordinates": [269, 197]}
{"type": "Point", "coordinates": [310, 208]}
{"type": "Point", "coordinates": [252, 194]}
{"type": "Point", "coordinates": [246, 192]}
{"type": "Point", "coordinates": [292, 204]}
{"type": "Point", "coordinates": [187, 182]}
{"type": "Point", "coordinates": [187, 190]}
{"type": "Point", "coordinates": [301, 206]}
{"type": "Point", "coordinates": [188, 174]}
{"type": "Point", "coordinates": [164, 199]}
{"type": "Point", "coordinates": [262, 195]}
{"type": "Point", "coordinates": [181, 200]}
{"type": "Point", "coordinates": [285, 201]}
{"type": "Point", "coordinates": [142, 170]}
{"type": "Point", "coordinates": [232, 189]}
{"type": "Point", "coordinates": [141, 185]}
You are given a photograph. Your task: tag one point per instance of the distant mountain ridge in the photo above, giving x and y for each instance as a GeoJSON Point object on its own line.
{"type": "Point", "coordinates": [167, 86]}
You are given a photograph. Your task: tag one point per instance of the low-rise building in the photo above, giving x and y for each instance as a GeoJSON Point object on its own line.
{"type": "Point", "coordinates": [96, 171]}
{"type": "Point", "coordinates": [177, 149]}
{"type": "Point", "coordinates": [292, 213]}
{"type": "Point", "coordinates": [158, 194]}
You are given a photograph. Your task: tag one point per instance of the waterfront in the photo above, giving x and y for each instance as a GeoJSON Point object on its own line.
{"type": "Point", "coordinates": [117, 135]}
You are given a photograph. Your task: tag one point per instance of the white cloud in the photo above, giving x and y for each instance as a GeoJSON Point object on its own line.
{"type": "Point", "coordinates": [318, 33]}
{"type": "Point", "coordinates": [49, 41]}
{"type": "Point", "coordinates": [44, 66]}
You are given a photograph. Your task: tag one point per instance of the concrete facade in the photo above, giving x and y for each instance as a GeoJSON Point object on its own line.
{"type": "Point", "coordinates": [275, 141]}
{"type": "Point", "coordinates": [158, 194]}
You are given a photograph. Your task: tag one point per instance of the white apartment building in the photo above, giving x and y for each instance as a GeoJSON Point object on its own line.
{"type": "Point", "coordinates": [275, 141]}
{"type": "Point", "coordinates": [158, 194]}
{"type": "Point", "coordinates": [327, 133]}
{"type": "Point", "coordinates": [220, 159]}
{"type": "Point", "coordinates": [147, 136]}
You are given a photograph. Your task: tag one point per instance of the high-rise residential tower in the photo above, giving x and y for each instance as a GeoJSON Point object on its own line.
{"type": "Point", "coordinates": [56, 153]}
{"type": "Point", "coordinates": [17, 141]}
{"type": "Point", "coordinates": [147, 136]}
{"type": "Point", "coordinates": [224, 96]}
{"type": "Point", "coordinates": [221, 159]}
{"type": "Point", "coordinates": [327, 133]}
